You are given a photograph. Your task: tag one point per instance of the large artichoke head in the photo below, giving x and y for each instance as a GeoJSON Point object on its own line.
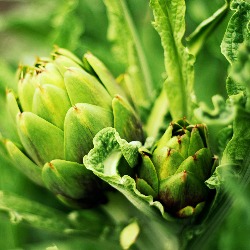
{"type": "Point", "coordinates": [60, 105]}
{"type": "Point", "coordinates": [175, 172]}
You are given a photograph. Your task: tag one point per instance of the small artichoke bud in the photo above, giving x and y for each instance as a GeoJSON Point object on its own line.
{"type": "Point", "coordinates": [61, 104]}
{"type": "Point", "coordinates": [183, 162]}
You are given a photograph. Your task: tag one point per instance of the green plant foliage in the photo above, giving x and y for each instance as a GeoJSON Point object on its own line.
{"type": "Point", "coordinates": [102, 154]}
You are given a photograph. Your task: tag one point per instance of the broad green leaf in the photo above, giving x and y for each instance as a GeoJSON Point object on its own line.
{"type": "Point", "coordinates": [197, 39]}
{"type": "Point", "coordinates": [33, 213]}
{"type": "Point", "coordinates": [106, 142]}
{"type": "Point", "coordinates": [237, 30]}
{"type": "Point", "coordinates": [128, 49]}
{"type": "Point", "coordinates": [170, 24]}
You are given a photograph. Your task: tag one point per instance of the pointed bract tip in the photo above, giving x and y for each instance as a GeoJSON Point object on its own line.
{"type": "Point", "coordinates": [7, 91]}
{"type": "Point", "coordinates": [56, 47]}
{"type": "Point", "coordinates": [40, 87]}
{"type": "Point", "coordinates": [51, 166]}
{"type": "Point", "coordinates": [118, 97]}
{"type": "Point", "coordinates": [88, 54]}
{"type": "Point", "coordinates": [195, 157]}
{"type": "Point", "coordinates": [68, 69]}
{"type": "Point", "coordinates": [169, 152]}
{"type": "Point", "coordinates": [75, 108]}
{"type": "Point", "coordinates": [184, 175]}
{"type": "Point", "coordinates": [179, 140]}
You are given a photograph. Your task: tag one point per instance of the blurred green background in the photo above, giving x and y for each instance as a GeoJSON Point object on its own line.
{"type": "Point", "coordinates": [30, 28]}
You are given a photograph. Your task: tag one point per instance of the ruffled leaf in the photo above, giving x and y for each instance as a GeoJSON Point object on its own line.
{"type": "Point", "coordinates": [106, 142]}
{"type": "Point", "coordinates": [170, 23]}
{"type": "Point", "coordinates": [237, 30]}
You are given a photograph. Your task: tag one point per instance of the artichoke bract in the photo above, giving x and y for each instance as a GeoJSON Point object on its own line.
{"type": "Point", "coordinates": [175, 172]}
{"type": "Point", "coordinates": [62, 102]}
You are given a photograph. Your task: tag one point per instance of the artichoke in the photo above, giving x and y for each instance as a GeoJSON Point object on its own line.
{"type": "Point", "coordinates": [62, 102]}
{"type": "Point", "coordinates": [175, 171]}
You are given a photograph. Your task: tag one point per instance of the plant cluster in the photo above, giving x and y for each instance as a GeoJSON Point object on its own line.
{"type": "Point", "coordinates": [105, 146]}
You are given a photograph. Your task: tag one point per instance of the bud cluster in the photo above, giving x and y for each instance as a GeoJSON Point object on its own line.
{"type": "Point", "coordinates": [175, 172]}
{"type": "Point", "coordinates": [61, 104]}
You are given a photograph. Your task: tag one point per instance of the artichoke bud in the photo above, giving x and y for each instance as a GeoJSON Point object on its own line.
{"type": "Point", "coordinates": [183, 162]}
{"type": "Point", "coordinates": [61, 104]}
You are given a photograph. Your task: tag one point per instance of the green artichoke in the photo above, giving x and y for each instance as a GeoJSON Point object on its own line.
{"type": "Point", "coordinates": [175, 172]}
{"type": "Point", "coordinates": [62, 102]}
